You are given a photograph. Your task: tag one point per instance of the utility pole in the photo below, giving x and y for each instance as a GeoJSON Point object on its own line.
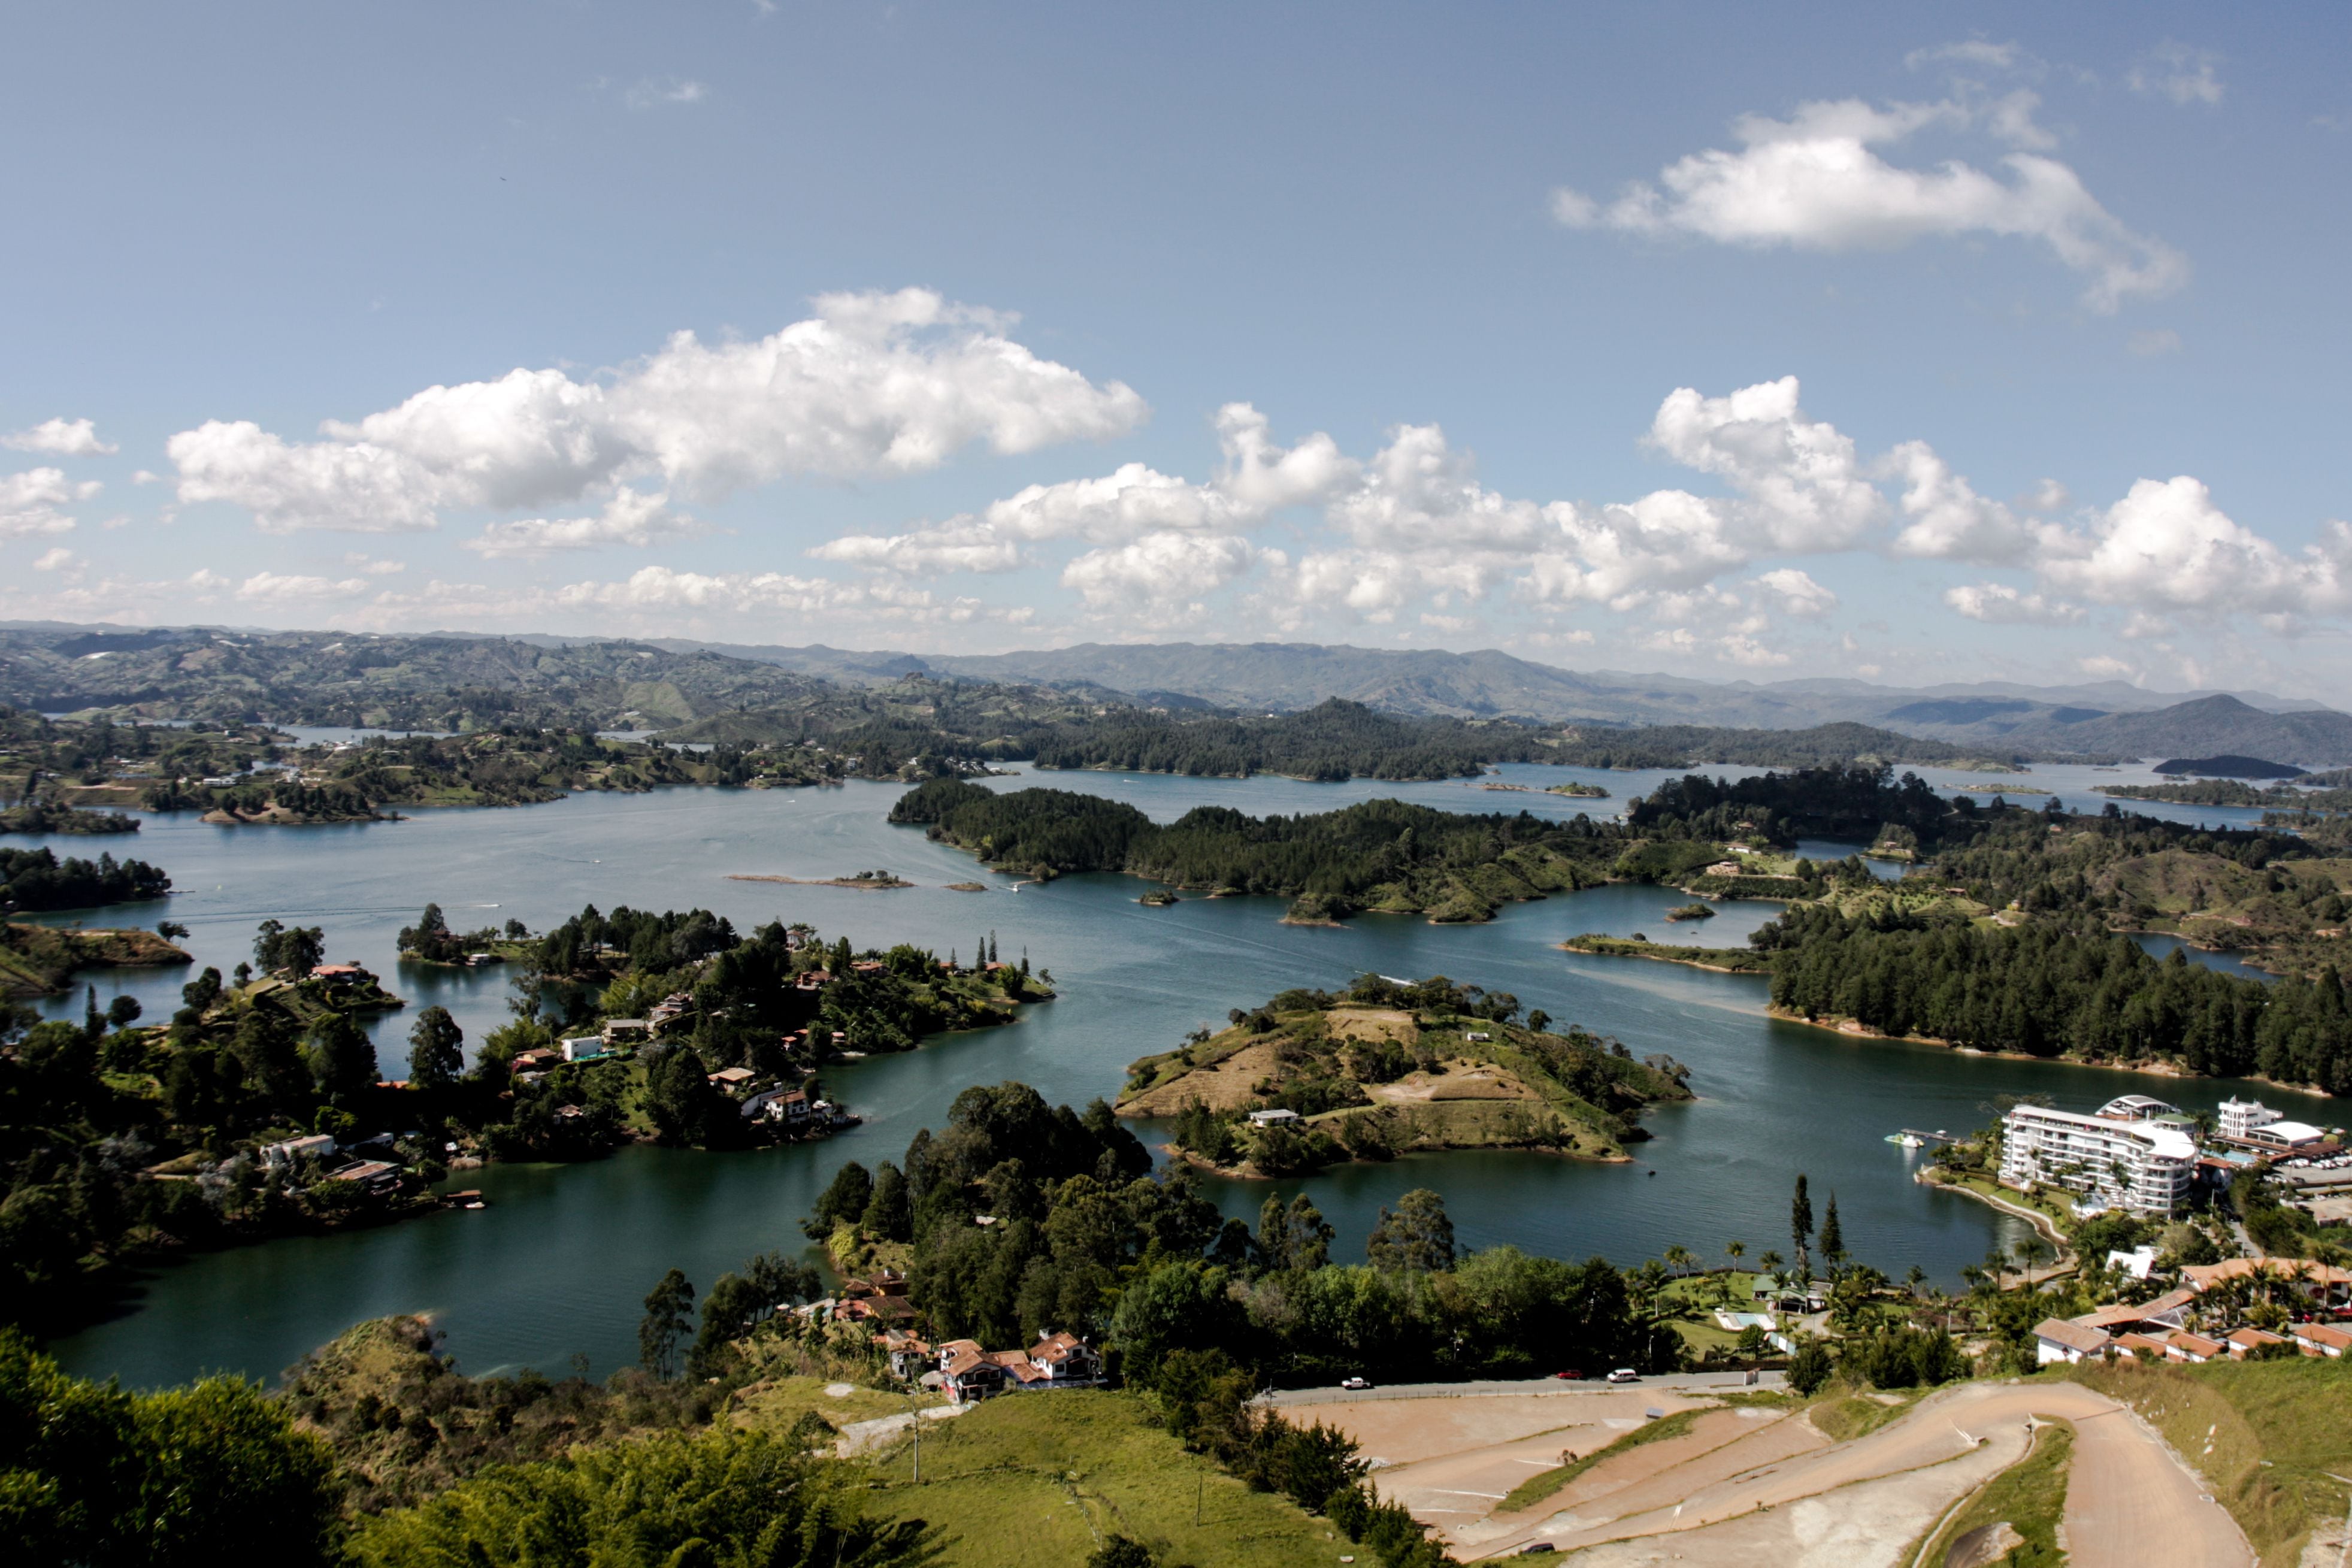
{"type": "Point", "coordinates": [1200, 1485]}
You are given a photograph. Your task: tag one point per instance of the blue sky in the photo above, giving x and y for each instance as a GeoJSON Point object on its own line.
{"type": "Point", "coordinates": [1918, 344]}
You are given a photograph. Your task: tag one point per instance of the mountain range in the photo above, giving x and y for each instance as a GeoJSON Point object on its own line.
{"type": "Point", "coordinates": [443, 680]}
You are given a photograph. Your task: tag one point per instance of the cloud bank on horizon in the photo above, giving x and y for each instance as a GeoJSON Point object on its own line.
{"type": "Point", "coordinates": [1737, 564]}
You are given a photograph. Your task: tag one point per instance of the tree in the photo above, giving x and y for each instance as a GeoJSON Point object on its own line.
{"type": "Point", "coordinates": [721, 1498]}
{"type": "Point", "coordinates": [667, 1321]}
{"type": "Point", "coordinates": [679, 1099]}
{"type": "Point", "coordinates": [1808, 1368]}
{"type": "Point", "coordinates": [1293, 1239]}
{"type": "Point", "coordinates": [203, 1474]}
{"type": "Point", "coordinates": [1800, 1227]}
{"type": "Point", "coordinates": [1538, 1020]}
{"type": "Point", "coordinates": [845, 1202]}
{"type": "Point", "coordinates": [436, 1049]}
{"type": "Point", "coordinates": [1121, 1551]}
{"type": "Point", "coordinates": [170, 931]}
{"type": "Point", "coordinates": [342, 1058]}
{"type": "Point", "coordinates": [1678, 1258]}
{"type": "Point", "coordinates": [1832, 1234]}
{"type": "Point", "coordinates": [889, 1214]}
{"type": "Point", "coordinates": [294, 949]}
{"type": "Point", "coordinates": [1416, 1239]}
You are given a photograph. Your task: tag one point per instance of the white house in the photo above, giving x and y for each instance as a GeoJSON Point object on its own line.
{"type": "Point", "coordinates": [318, 1146]}
{"type": "Point", "coordinates": [1273, 1118]}
{"type": "Point", "coordinates": [2056, 1340]}
{"type": "Point", "coordinates": [584, 1049]}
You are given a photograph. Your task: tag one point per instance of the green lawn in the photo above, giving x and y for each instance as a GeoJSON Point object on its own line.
{"type": "Point", "coordinates": [1037, 1481]}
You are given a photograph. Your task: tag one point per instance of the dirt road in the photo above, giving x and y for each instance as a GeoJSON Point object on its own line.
{"type": "Point", "coordinates": [1756, 1487]}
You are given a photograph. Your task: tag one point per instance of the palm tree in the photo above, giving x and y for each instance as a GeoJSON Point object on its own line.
{"type": "Point", "coordinates": [2028, 1252]}
{"type": "Point", "coordinates": [1678, 1258]}
{"type": "Point", "coordinates": [1917, 1277]}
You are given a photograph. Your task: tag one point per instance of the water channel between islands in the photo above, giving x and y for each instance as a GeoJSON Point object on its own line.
{"type": "Point", "coordinates": [561, 1259]}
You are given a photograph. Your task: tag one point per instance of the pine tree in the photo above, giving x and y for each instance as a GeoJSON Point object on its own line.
{"type": "Point", "coordinates": [1832, 1234]}
{"type": "Point", "coordinates": [665, 1323]}
{"type": "Point", "coordinates": [1801, 1227]}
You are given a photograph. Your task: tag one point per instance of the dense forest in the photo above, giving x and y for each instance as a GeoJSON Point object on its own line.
{"type": "Point", "coordinates": [1691, 745]}
{"type": "Point", "coordinates": [1381, 854]}
{"type": "Point", "coordinates": [1335, 740]}
{"type": "Point", "coordinates": [34, 880]}
{"type": "Point", "coordinates": [2046, 991]}
{"type": "Point", "coordinates": [1085, 1239]}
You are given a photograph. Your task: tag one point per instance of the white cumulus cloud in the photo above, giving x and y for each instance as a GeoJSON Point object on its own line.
{"type": "Point", "coordinates": [30, 501]}
{"type": "Point", "coordinates": [61, 438]}
{"type": "Point", "coordinates": [630, 517]}
{"type": "Point", "coordinates": [2167, 547]}
{"type": "Point", "coordinates": [871, 384]}
{"type": "Point", "coordinates": [1817, 180]}
{"type": "Point", "coordinates": [2004, 606]}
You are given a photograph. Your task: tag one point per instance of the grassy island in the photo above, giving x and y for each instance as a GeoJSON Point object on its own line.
{"type": "Point", "coordinates": [38, 961]}
{"type": "Point", "coordinates": [1386, 1069]}
{"type": "Point", "coordinates": [1578, 791]}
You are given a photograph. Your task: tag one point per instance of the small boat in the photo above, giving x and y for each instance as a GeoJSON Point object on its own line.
{"type": "Point", "coordinates": [1907, 1140]}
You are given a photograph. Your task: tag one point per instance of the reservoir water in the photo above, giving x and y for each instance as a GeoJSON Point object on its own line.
{"type": "Point", "coordinates": [560, 1261]}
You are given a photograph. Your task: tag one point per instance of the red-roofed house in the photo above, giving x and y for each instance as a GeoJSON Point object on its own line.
{"type": "Point", "coordinates": [2243, 1342]}
{"type": "Point", "coordinates": [1066, 1359]}
{"type": "Point", "coordinates": [2324, 1338]}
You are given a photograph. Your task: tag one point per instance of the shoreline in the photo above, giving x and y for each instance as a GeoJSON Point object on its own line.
{"type": "Point", "coordinates": [2152, 1068]}
{"type": "Point", "coordinates": [1570, 946]}
{"type": "Point", "coordinates": [1240, 1174]}
{"type": "Point", "coordinates": [2044, 1225]}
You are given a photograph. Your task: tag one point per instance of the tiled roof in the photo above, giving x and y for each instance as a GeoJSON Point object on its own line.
{"type": "Point", "coordinates": [2073, 1336]}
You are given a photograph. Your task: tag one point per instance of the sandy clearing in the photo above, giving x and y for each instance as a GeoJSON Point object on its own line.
{"type": "Point", "coordinates": [1402, 1431]}
{"type": "Point", "coordinates": [1226, 1086]}
{"type": "Point", "coordinates": [1866, 1525]}
{"type": "Point", "coordinates": [1753, 1448]}
{"type": "Point", "coordinates": [2129, 1500]}
{"type": "Point", "coordinates": [1372, 1024]}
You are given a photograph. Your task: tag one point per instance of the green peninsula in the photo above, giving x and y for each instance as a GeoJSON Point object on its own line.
{"type": "Point", "coordinates": [1387, 1069]}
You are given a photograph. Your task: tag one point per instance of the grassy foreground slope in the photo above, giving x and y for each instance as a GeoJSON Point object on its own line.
{"type": "Point", "coordinates": [1039, 1480]}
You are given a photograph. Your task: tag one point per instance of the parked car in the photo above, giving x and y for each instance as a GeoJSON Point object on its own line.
{"type": "Point", "coordinates": [1624, 1374]}
{"type": "Point", "coordinates": [1571, 1376]}
{"type": "Point", "coordinates": [1355, 1383]}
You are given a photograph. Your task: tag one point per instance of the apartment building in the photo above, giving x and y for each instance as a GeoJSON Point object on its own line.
{"type": "Point", "coordinates": [2134, 1161]}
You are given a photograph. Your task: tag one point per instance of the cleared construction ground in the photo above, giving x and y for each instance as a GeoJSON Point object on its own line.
{"type": "Point", "coordinates": [1748, 1480]}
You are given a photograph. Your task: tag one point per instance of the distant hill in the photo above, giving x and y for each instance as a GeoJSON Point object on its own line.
{"type": "Point", "coordinates": [444, 683]}
{"type": "Point", "coordinates": [2228, 768]}
{"type": "Point", "coordinates": [2209, 727]}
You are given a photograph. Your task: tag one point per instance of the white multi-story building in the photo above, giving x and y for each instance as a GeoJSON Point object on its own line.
{"type": "Point", "coordinates": [2144, 1164]}
{"type": "Point", "coordinates": [2240, 1116]}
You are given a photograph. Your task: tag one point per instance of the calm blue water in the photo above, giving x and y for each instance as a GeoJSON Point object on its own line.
{"type": "Point", "coordinates": [562, 1259]}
